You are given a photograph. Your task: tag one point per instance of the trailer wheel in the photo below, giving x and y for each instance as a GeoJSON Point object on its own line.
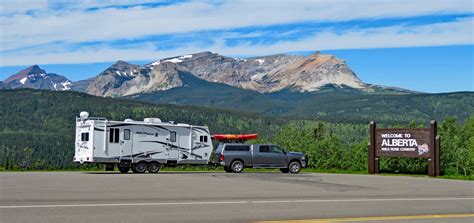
{"type": "Point", "coordinates": [123, 169]}
{"type": "Point", "coordinates": [237, 166]}
{"type": "Point", "coordinates": [153, 167]}
{"type": "Point", "coordinates": [139, 167]}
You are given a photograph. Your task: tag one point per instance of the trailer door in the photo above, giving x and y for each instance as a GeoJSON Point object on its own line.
{"type": "Point", "coordinates": [84, 145]}
{"type": "Point", "coordinates": [126, 143]}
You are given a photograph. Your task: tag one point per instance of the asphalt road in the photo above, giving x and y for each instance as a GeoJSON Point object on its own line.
{"type": "Point", "coordinates": [222, 197]}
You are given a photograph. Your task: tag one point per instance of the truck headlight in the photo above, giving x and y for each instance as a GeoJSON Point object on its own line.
{"type": "Point", "coordinates": [303, 158]}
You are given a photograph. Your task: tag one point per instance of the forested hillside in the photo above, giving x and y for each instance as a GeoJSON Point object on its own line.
{"type": "Point", "coordinates": [332, 104]}
{"type": "Point", "coordinates": [44, 121]}
{"type": "Point", "coordinates": [37, 130]}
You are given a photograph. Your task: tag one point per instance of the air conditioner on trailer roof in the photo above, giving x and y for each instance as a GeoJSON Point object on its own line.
{"type": "Point", "coordinates": [152, 120]}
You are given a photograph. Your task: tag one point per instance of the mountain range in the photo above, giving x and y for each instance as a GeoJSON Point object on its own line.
{"type": "Point", "coordinates": [266, 74]}
{"type": "Point", "coordinates": [280, 84]}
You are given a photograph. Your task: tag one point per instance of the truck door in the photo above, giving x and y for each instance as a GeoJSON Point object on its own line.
{"type": "Point", "coordinates": [126, 143]}
{"type": "Point", "coordinates": [262, 156]}
{"type": "Point", "coordinates": [278, 156]}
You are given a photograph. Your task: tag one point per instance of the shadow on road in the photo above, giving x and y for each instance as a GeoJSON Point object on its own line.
{"type": "Point", "coordinates": [131, 173]}
{"type": "Point", "coordinates": [191, 172]}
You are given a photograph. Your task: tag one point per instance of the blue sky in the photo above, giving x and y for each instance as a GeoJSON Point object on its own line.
{"type": "Point", "coordinates": [409, 44]}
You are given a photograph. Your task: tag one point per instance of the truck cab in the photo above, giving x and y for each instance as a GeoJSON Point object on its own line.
{"type": "Point", "coordinates": [234, 157]}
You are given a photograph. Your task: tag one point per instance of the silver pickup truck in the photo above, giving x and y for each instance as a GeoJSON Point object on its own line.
{"type": "Point", "coordinates": [235, 157]}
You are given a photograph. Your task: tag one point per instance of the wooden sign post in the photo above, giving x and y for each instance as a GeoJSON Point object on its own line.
{"type": "Point", "coordinates": [404, 142]}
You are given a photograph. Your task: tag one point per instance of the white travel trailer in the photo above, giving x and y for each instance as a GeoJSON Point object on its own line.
{"type": "Point", "coordinates": [140, 145]}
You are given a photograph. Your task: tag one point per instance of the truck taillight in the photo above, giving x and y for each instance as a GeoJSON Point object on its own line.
{"type": "Point", "coordinates": [221, 158]}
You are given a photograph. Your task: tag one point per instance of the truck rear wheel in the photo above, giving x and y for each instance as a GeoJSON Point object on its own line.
{"type": "Point", "coordinates": [237, 166]}
{"type": "Point", "coordinates": [153, 167]}
{"type": "Point", "coordinates": [139, 167]}
{"type": "Point", "coordinates": [294, 167]}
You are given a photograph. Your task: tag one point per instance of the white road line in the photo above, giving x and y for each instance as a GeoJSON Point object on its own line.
{"type": "Point", "coordinates": [235, 202]}
{"type": "Point", "coordinates": [367, 200]}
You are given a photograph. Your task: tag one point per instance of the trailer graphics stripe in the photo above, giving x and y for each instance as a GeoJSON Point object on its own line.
{"type": "Point", "coordinates": [202, 129]}
{"type": "Point", "coordinates": [181, 149]}
{"type": "Point", "coordinates": [151, 126]}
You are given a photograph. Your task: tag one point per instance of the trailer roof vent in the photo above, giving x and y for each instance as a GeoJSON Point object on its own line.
{"type": "Point", "coordinates": [152, 120]}
{"type": "Point", "coordinates": [128, 120]}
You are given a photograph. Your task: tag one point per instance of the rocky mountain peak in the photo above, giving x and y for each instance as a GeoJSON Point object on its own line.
{"type": "Point", "coordinates": [31, 71]}
{"type": "Point", "coordinates": [123, 78]}
{"type": "Point", "coordinates": [37, 78]}
{"type": "Point", "coordinates": [325, 58]}
{"type": "Point", "coordinates": [203, 54]}
{"type": "Point", "coordinates": [122, 69]}
{"type": "Point", "coordinates": [312, 72]}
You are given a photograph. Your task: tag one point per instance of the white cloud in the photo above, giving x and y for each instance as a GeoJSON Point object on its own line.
{"type": "Point", "coordinates": [75, 25]}
{"type": "Point", "coordinates": [451, 33]}
{"type": "Point", "coordinates": [8, 8]}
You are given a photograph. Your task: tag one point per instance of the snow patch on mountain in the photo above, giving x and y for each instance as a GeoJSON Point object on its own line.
{"type": "Point", "coordinates": [23, 80]}
{"type": "Point", "coordinates": [66, 85]}
{"type": "Point", "coordinates": [172, 60]}
{"type": "Point", "coordinates": [260, 61]}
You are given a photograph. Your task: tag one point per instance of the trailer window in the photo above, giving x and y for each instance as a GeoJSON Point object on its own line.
{"type": "Point", "coordinates": [85, 136]}
{"type": "Point", "coordinates": [126, 134]}
{"type": "Point", "coordinates": [114, 135]}
{"type": "Point", "coordinates": [111, 135]}
{"type": "Point", "coordinates": [203, 138]}
{"type": "Point", "coordinates": [173, 136]}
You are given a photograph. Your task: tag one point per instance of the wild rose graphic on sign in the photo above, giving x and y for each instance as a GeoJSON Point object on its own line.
{"type": "Point", "coordinates": [422, 149]}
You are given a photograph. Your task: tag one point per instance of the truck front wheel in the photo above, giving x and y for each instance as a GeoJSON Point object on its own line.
{"type": "Point", "coordinates": [294, 167]}
{"type": "Point", "coordinates": [237, 166]}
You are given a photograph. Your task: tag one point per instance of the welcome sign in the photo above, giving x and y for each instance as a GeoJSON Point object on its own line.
{"type": "Point", "coordinates": [404, 142]}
